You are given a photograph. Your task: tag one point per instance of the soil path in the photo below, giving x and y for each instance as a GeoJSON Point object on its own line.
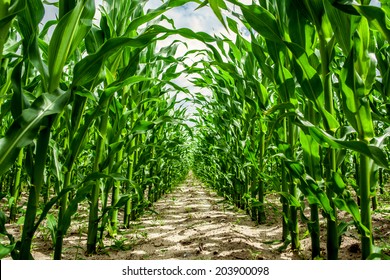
{"type": "Point", "coordinates": [192, 222]}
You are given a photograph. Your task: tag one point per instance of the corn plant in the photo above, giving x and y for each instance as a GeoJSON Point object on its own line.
{"type": "Point", "coordinates": [90, 113]}
{"type": "Point", "coordinates": [71, 92]}
{"type": "Point", "coordinates": [312, 44]}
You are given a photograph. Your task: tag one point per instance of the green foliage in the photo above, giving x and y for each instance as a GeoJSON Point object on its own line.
{"type": "Point", "coordinates": [90, 113]}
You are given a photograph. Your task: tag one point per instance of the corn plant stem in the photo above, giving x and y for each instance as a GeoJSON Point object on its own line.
{"type": "Point", "coordinates": [135, 199]}
{"type": "Point", "coordinates": [374, 202]}
{"type": "Point", "coordinates": [61, 211]}
{"type": "Point", "coordinates": [151, 196]}
{"type": "Point", "coordinates": [253, 192]}
{"type": "Point", "coordinates": [314, 215]}
{"type": "Point", "coordinates": [115, 195]}
{"type": "Point", "coordinates": [356, 166]}
{"type": "Point", "coordinates": [15, 187]}
{"type": "Point", "coordinates": [79, 108]}
{"type": "Point", "coordinates": [315, 232]}
{"type": "Point", "coordinates": [104, 199]}
{"type": "Point", "coordinates": [130, 169]}
{"type": "Point", "coordinates": [286, 210]}
{"type": "Point", "coordinates": [31, 211]}
{"type": "Point", "coordinates": [93, 219]}
{"type": "Point", "coordinates": [261, 214]}
{"type": "Point", "coordinates": [330, 159]}
{"type": "Point", "coordinates": [46, 189]}
{"type": "Point", "coordinates": [94, 209]}
{"type": "Point", "coordinates": [115, 199]}
{"type": "Point", "coordinates": [109, 187]}
{"type": "Point", "coordinates": [252, 179]}
{"type": "Point", "coordinates": [294, 226]}
{"type": "Point", "coordinates": [79, 105]}
{"type": "Point", "coordinates": [365, 210]}
{"type": "Point", "coordinates": [35, 189]}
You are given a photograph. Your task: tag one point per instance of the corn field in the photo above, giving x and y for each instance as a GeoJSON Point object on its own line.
{"type": "Point", "coordinates": [296, 110]}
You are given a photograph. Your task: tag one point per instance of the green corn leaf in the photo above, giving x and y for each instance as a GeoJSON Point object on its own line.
{"type": "Point", "coordinates": [215, 6]}
{"type": "Point", "coordinates": [349, 205]}
{"type": "Point", "coordinates": [318, 193]}
{"type": "Point", "coordinates": [378, 256]}
{"type": "Point", "coordinates": [355, 105]}
{"type": "Point", "coordinates": [122, 201]}
{"type": "Point", "coordinates": [232, 25]}
{"type": "Point", "coordinates": [142, 126]}
{"type": "Point", "coordinates": [137, 22]}
{"type": "Point", "coordinates": [324, 138]}
{"type": "Point", "coordinates": [31, 17]}
{"type": "Point", "coordinates": [81, 194]}
{"type": "Point", "coordinates": [17, 7]}
{"type": "Point", "coordinates": [24, 129]}
{"type": "Point", "coordinates": [292, 200]}
{"type": "Point", "coordinates": [89, 67]}
{"type": "Point", "coordinates": [307, 76]}
{"type": "Point", "coordinates": [342, 227]}
{"type": "Point", "coordinates": [28, 22]}
{"type": "Point", "coordinates": [56, 163]}
{"type": "Point", "coordinates": [5, 250]}
{"type": "Point", "coordinates": [342, 26]}
{"type": "Point", "coordinates": [280, 107]}
{"type": "Point", "coordinates": [311, 156]}
{"type": "Point", "coordinates": [67, 36]}
{"type": "Point", "coordinates": [338, 184]}
{"type": "Point", "coordinates": [52, 226]}
{"type": "Point", "coordinates": [375, 15]}
{"type": "Point", "coordinates": [285, 83]}
{"type": "Point", "coordinates": [263, 22]}
{"type": "Point", "coordinates": [65, 6]}
{"type": "Point", "coordinates": [98, 175]}
{"type": "Point", "coordinates": [261, 58]}
{"type": "Point", "coordinates": [310, 188]}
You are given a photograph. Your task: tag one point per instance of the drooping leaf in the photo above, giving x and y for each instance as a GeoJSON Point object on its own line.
{"type": "Point", "coordinates": [24, 129]}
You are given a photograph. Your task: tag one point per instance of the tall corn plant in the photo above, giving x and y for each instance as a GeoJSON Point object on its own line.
{"type": "Point", "coordinates": [309, 83]}
{"type": "Point", "coordinates": [270, 20]}
{"type": "Point", "coordinates": [52, 76]}
{"type": "Point", "coordinates": [114, 51]}
{"type": "Point", "coordinates": [118, 53]}
{"type": "Point", "coordinates": [50, 98]}
{"type": "Point", "coordinates": [357, 77]}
